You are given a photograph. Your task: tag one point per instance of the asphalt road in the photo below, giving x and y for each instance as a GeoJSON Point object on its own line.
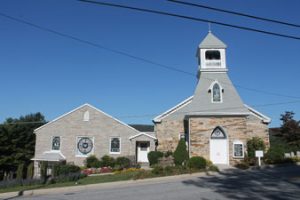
{"type": "Point", "coordinates": [274, 183]}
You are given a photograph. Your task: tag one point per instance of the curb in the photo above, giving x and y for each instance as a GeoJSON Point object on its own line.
{"type": "Point", "coordinates": [119, 184]}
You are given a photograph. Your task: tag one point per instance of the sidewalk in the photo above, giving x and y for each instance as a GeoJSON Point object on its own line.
{"type": "Point", "coordinates": [118, 184]}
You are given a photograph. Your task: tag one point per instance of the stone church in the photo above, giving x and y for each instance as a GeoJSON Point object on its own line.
{"type": "Point", "coordinates": [215, 122]}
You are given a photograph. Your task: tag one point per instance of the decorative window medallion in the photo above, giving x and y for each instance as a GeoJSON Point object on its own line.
{"type": "Point", "coordinates": [85, 145]}
{"type": "Point", "coordinates": [218, 134]}
{"type": "Point", "coordinates": [56, 143]}
{"type": "Point", "coordinates": [115, 145]}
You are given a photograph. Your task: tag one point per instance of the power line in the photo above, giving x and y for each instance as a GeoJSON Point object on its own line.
{"type": "Point", "coordinates": [191, 18]}
{"type": "Point", "coordinates": [235, 13]}
{"type": "Point", "coordinates": [96, 45]}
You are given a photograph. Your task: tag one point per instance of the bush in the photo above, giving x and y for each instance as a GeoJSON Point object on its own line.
{"type": "Point", "coordinates": [153, 157]}
{"type": "Point", "coordinates": [30, 168]}
{"type": "Point", "coordinates": [275, 155]}
{"type": "Point", "coordinates": [254, 144]}
{"type": "Point", "coordinates": [197, 162]}
{"type": "Point", "coordinates": [65, 170]}
{"type": "Point", "coordinates": [168, 153]}
{"type": "Point", "coordinates": [242, 165]}
{"type": "Point", "coordinates": [20, 171]}
{"type": "Point", "coordinates": [107, 161]}
{"type": "Point", "coordinates": [181, 155]}
{"type": "Point", "coordinates": [123, 163]}
{"type": "Point", "coordinates": [92, 161]}
{"type": "Point", "coordinates": [158, 170]}
{"type": "Point", "coordinates": [44, 166]}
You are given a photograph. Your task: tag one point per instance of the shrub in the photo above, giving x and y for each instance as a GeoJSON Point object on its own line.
{"type": "Point", "coordinates": [20, 171]}
{"type": "Point", "coordinates": [158, 170]}
{"type": "Point", "coordinates": [168, 153]}
{"type": "Point", "coordinates": [65, 170]}
{"type": "Point", "coordinates": [197, 162]}
{"type": "Point", "coordinates": [123, 162]}
{"type": "Point", "coordinates": [92, 161]}
{"type": "Point", "coordinates": [153, 157]}
{"type": "Point", "coordinates": [254, 144]}
{"type": "Point", "coordinates": [107, 161]}
{"type": "Point", "coordinates": [181, 155]}
{"type": "Point", "coordinates": [275, 155]}
{"type": "Point", "coordinates": [44, 166]}
{"type": "Point", "coordinates": [242, 165]}
{"type": "Point", "coordinates": [30, 168]}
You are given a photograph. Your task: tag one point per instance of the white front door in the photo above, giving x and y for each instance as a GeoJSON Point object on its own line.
{"type": "Point", "coordinates": [218, 151]}
{"type": "Point", "coordinates": [143, 149]}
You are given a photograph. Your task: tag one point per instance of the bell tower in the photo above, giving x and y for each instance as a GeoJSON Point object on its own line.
{"type": "Point", "coordinates": [211, 55]}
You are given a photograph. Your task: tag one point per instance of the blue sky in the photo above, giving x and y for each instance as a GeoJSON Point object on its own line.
{"type": "Point", "coordinates": [43, 72]}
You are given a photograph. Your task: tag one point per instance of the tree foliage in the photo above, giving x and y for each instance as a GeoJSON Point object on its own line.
{"type": "Point", "coordinates": [290, 129]}
{"type": "Point", "coordinates": [17, 141]}
{"type": "Point", "coordinates": [253, 145]}
{"type": "Point", "coordinates": [181, 154]}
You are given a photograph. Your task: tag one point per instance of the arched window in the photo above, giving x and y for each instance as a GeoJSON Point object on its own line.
{"type": "Point", "coordinates": [86, 116]}
{"type": "Point", "coordinates": [218, 133]}
{"type": "Point", "coordinates": [212, 55]}
{"type": "Point", "coordinates": [216, 93]}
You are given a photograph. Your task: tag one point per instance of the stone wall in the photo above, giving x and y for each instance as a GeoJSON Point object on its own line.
{"type": "Point", "coordinates": [237, 128]}
{"type": "Point", "coordinates": [168, 134]}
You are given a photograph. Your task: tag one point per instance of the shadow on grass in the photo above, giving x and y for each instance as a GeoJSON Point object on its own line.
{"type": "Point", "coordinates": [277, 183]}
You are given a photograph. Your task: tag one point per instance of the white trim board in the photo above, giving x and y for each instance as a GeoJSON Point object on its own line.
{"type": "Point", "coordinates": [142, 133]}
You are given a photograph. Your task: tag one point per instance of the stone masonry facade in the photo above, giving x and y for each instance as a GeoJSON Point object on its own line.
{"type": "Point", "coordinates": [236, 128]}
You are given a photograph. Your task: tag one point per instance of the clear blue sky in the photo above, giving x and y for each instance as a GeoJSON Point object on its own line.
{"type": "Point", "coordinates": [43, 72]}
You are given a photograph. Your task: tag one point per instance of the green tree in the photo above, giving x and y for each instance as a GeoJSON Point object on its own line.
{"type": "Point", "coordinates": [253, 145]}
{"type": "Point", "coordinates": [290, 129]}
{"type": "Point", "coordinates": [181, 154]}
{"type": "Point", "coordinates": [17, 141]}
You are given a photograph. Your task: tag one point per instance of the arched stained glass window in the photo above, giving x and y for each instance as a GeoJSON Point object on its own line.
{"type": "Point", "coordinates": [216, 93]}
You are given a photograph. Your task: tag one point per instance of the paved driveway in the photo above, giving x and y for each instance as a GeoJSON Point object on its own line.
{"type": "Point", "coordinates": [274, 183]}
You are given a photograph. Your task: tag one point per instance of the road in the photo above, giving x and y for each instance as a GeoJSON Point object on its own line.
{"type": "Point", "coordinates": [274, 183]}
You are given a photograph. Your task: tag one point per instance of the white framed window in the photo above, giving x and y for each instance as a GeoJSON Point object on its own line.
{"type": "Point", "coordinates": [84, 146]}
{"type": "Point", "coordinates": [238, 149]}
{"type": "Point", "coordinates": [115, 145]}
{"type": "Point", "coordinates": [55, 144]}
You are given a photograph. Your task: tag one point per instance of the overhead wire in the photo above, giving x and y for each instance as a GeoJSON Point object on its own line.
{"type": "Point", "coordinates": [235, 13]}
{"type": "Point", "coordinates": [123, 53]}
{"type": "Point", "coordinates": [190, 18]}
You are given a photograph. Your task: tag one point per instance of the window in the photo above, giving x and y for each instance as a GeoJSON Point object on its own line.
{"type": "Point", "coordinates": [86, 116]}
{"type": "Point", "coordinates": [115, 145]}
{"type": "Point", "coordinates": [56, 143]}
{"type": "Point", "coordinates": [84, 145]}
{"type": "Point", "coordinates": [218, 133]}
{"type": "Point", "coordinates": [238, 149]}
{"type": "Point", "coordinates": [212, 55]}
{"type": "Point", "coordinates": [216, 93]}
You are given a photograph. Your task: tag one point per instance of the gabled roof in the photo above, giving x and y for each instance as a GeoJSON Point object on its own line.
{"type": "Point", "coordinates": [173, 109]}
{"type": "Point", "coordinates": [88, 105]}
{"type": "Point", "coordinates": [187, 101]}
{"type": "Point", "coordinates": [212, 42]}
{"type": "Point", "coordinates": [51, 156]}
{"type": "Point", "coordinates": [143, 133]}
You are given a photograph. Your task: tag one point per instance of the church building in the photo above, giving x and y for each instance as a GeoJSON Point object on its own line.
{"type": "Point", "coordinates": [215, 122]}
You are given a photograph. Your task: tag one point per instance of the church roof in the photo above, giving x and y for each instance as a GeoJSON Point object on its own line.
{"type": "Point", "coordinates": [212, 42]}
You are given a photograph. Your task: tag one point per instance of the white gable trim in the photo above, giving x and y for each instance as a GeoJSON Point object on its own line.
{"type": "Point", "coordinates": [86, 104]}
{"type": "Point", "coordinates": [173, 109]}
{"type": "Point", "coordinates": [259, 115]}
{"type": "Point", "coordinates": [142, 133]}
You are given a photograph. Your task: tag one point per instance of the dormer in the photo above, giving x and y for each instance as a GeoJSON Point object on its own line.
{"type": "Point", "coordinates": [211, 54]}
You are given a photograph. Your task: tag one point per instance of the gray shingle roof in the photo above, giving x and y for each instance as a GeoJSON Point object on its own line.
{"type": "Point", "coordinates": [50, 156]}
{"type": "Point", "coordinates": [212, 42]}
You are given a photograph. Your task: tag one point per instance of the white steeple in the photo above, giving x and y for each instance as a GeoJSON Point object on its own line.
{"type": "Point", "coordinates": [211, 54]}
